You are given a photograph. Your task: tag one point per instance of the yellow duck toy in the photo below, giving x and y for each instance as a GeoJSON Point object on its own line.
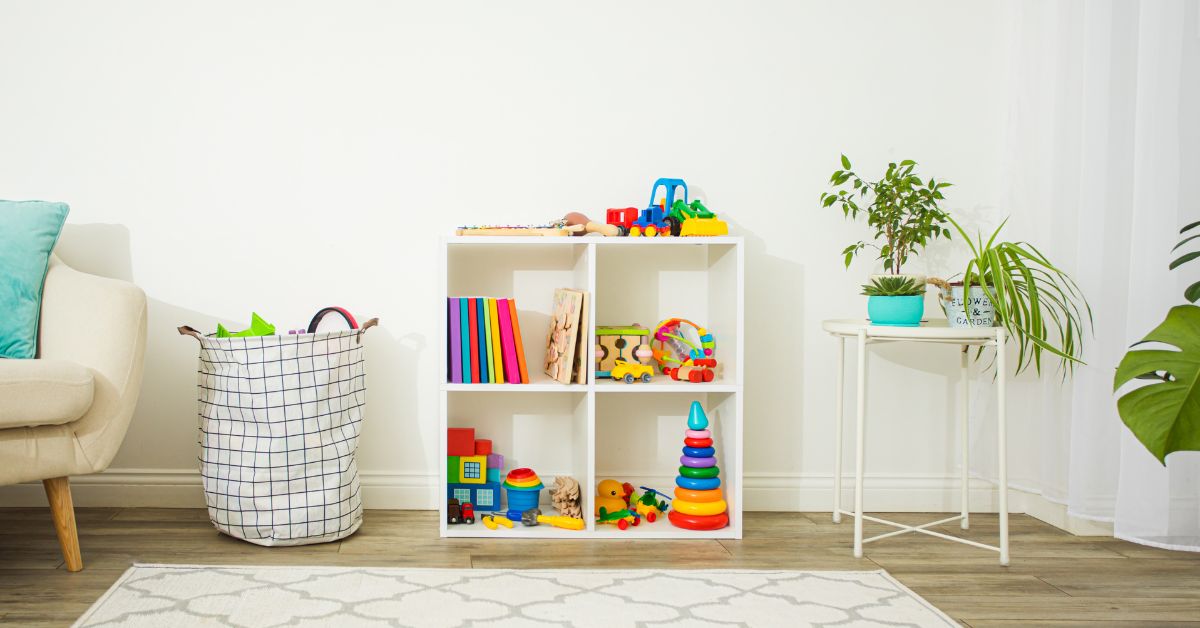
{"type": "Point", "coordinates": [609, 496]}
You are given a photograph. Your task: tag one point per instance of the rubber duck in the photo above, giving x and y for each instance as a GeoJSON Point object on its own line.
{"type": "Point", "coordinates": [610, 496]}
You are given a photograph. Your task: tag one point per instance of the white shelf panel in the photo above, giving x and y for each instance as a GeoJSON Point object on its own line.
{"type": "Point", "coordinates": [554, 240]}
{"type": "Point", "coordinates": [518, 531]}
{"type": "Point", "coordinates": [661, 529]}
{"type": "Point", "coordinates": [538, 382]}
{"type": "Point", "coordinates": [664, 384]}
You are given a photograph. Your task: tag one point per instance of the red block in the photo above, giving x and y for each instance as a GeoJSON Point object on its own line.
{"type": "Point", "coordinates": [483, 447]}
{"type": "Point", "coordinates": [460, 441]}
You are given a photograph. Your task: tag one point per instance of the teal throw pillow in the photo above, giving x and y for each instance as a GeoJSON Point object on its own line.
{"type": "Point", "coordinates": [28, 232]}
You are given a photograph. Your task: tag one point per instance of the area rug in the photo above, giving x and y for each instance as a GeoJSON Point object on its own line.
{"type": "Point", "coordinates": [254, 597]}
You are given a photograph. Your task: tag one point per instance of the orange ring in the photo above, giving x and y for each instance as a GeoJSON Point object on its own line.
{"type": "Point", "coordinates": [690, 495]}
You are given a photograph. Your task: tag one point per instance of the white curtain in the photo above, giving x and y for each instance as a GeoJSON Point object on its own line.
{"type": "Point", "coordinates": [1102, 164]}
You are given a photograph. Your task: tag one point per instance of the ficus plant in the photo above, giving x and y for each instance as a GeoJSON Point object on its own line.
{"type": "Point", "coordinates": [901, 208]}
{"type": "Point", "coordinates": [1164, 414]}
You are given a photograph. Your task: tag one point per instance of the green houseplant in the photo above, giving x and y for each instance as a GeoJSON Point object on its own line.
{"type": "Point", "coordinates": [901, 208]}
{"type": "Point", "coordinates": [895, 301]}
{"type": "Point", "coordinates": [1037, 303]}
{"type": "Point", "coordinates": [1164, 415]}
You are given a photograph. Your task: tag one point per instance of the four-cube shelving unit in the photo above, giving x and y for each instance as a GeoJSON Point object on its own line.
{"type": "Point", "coordinates": [601, 429]}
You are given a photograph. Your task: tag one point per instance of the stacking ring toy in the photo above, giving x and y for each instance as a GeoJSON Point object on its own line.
{"type": "Point", "coordinates": [698, 484]}
{"type": "Point", "coordinates": [702, 509]}
{"type": "Point", "coordinates": [699, 452]}
{"type": "Point", "coordinates": [699, 473]}
{"type": "Point", "coordinates": [695, 522]}
{"type": "Point", "coordinates": [697, 434]}
{"type": "Point", "coordinates": [698, 496]}
{"type": "Point", "coordinates": [697, 463]}
{"type": "Point", "coordinates": [698, 442]}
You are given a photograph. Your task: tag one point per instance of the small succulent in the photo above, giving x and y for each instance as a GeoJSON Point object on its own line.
{"type": "Point", "coordinates": [893, 287]}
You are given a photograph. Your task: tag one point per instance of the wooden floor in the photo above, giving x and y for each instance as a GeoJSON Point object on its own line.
{"type": "Point", "coordinates": [1055, 578]}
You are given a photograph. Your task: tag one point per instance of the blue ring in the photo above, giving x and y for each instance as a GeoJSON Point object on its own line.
{"type": "Point", "coordinates": [698, 484]}
{"type": "Point", "coordinates": [700, 452]}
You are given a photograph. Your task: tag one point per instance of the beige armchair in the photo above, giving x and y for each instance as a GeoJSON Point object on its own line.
{"type": "Point", "coordinates": [66, 412]}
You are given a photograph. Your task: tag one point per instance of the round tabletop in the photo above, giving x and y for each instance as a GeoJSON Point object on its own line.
{"type": "Point", "coordinates": [933, 330]}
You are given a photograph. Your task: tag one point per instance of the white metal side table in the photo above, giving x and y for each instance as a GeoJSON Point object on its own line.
{"type": "Point", "coordinates": [934, 332]}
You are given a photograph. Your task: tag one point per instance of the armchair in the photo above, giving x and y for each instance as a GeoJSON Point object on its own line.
{"type": "Point", "coordinates": [66, 412]}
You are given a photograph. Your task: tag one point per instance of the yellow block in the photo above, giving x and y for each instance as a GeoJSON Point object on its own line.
{"type": "Point", "coordinates": [700, 509]}
{"type": "Point", "coordinates": [462, 469]}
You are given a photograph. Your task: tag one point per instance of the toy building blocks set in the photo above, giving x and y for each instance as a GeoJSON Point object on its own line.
{"type": "Point", "coordinates": [472, 473]}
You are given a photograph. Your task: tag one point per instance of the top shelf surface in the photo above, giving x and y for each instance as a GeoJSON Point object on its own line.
{"type": "Point", "coordinates": [625, 241]}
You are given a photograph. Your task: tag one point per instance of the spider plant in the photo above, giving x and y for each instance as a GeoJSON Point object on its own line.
{"type": "Point", "coordinates": [1039, 305]}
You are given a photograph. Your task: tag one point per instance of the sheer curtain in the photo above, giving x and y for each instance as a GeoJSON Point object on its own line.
{"type": "Point", "coordinates": [1102, 150]}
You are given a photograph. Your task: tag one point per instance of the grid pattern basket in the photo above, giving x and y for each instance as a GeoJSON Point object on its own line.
{"type": "Point", "coordinates": [279, 423]}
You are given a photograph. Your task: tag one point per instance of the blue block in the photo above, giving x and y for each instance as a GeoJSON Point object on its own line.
{"type": "Point", "coordinates": [700, 452]}
{"type": "Point", "coordinates": [493, 475]}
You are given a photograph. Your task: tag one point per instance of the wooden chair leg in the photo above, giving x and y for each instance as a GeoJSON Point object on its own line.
{"type": "Point", "coordinates": [62, 509]}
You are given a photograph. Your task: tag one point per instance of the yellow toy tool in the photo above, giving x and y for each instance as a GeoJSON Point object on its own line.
{"type": "Point", "coordinates": [492, 521]}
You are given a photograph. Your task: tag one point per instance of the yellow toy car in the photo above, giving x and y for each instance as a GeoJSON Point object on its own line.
{"type": "Point", "coordinates": [631, 371]}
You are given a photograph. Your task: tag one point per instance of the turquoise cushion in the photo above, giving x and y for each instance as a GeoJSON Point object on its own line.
{"type": "Point", "coordinates": [28, 231]}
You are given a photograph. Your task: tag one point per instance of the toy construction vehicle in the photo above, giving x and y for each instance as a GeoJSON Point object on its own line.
{"type": "Point", "coordinates": [695, 219]}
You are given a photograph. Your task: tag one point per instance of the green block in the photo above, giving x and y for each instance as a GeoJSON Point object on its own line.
{"type": "Point", "coordinates": [609, 330]}
{"type": "Point", "coordinates": [452, 466]}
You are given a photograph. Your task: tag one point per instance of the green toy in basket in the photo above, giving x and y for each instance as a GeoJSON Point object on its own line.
{"type": "Point", "coordinates": [258, 327]}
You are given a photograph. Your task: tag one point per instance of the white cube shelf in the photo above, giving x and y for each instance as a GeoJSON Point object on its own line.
{"type": "Point", "coordinates": [601, 429]}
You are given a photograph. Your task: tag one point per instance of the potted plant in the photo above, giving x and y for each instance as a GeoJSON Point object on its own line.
{"type": "Point", "coordinates": [895, 301]}
{"type": "Point", "coordinates": [1039, 305]}
{"type": "Point", "coordinates": [901, 209]}
{"type": "Point", "coordinates": [1165, 414]}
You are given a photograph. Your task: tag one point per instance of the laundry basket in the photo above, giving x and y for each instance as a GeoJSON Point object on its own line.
{"type": "Point", "coordinates": [279, 424]}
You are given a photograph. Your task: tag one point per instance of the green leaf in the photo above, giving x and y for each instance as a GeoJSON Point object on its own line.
{"type": "Point", "coordinates": [1183, 260]}
{"type": "Point", "coordinates": [908, 162]}
{"type": "Point", "coordinates": [1165, 416]}
{"type": "Point", "coordinates": [829, 200]}
{"type": "Point", "coordinates": [1185, 240]}
{"type": "Point", "coordinates": [1192, 293]}
{"type": "Point", "coordinates": [845, 162]}
{"type": "Point", "coordinates": [1190, 227]}
{"type": "Point", "coordinates": [849, 258]}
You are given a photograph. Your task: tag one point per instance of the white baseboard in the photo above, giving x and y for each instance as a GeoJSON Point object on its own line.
{"type": "Point", "coordinates": [174, 488]}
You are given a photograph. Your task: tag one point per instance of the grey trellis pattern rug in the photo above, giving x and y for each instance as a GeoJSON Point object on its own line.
{"type": "Point", "coordinates": [193, 595]}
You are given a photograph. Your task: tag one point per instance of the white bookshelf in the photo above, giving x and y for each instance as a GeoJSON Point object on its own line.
{"type": "Point", "coordinates": [601, 429]}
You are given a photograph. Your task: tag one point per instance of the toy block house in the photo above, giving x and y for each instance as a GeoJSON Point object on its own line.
{"type": "Point", "coordinates": [472, 470]}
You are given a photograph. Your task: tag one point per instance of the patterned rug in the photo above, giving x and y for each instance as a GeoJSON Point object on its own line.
{"type": "Point", "coordinates": [193, 595]}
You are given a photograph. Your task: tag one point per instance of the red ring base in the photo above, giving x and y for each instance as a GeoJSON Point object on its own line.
{"type": "Point", "coordinates": [697, 522]}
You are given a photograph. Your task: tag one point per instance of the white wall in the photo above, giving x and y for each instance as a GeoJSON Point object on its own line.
{"type": "Point", "coordinates": [282, 156]}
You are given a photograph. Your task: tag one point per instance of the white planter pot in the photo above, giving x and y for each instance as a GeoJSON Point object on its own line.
{"type": "Point", "coordinates": [976, 312]}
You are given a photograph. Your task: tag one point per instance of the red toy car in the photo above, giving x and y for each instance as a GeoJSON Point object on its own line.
{"type": "Point", "coordinates": [622, 218]}
{"type": "Point", "coordinates": [459, 513]}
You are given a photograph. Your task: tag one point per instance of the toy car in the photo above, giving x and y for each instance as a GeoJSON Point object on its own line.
{"type": "Point", "coordinates": [632, 371]}
{"type": "Point", "coordinates": [651, 223]}
{"type": "Point", "coordinates": [646, 505]}
{"type": "Point", "coordinates": [459, 513]}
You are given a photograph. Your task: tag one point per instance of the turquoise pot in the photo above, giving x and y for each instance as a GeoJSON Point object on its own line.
{"type": "Point", "coordinates": [896, 311]}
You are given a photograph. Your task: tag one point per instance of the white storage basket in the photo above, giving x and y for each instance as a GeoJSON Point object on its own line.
{"type": "Point", "coordinates": [279, 424]}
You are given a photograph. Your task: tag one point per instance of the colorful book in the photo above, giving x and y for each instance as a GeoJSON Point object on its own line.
{"type": "Point", "coordinates": [497, 346]}
{"type": "Point", "coordinates": [482, 333]}
{"type": "Point", "coordinates": [464, 331]}
{"type": "Point", "coordinates": [487, 334]}
{"type": "Point", "coordinates": [512, 371]}
{"type": "Point", "coordinates": [473, 330]}
{"type": "Point", "coordinates": [516, 332]}
{"type": "Point", "coordinates": [454, 340]}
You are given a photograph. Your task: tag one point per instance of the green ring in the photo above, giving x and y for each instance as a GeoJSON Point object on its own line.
{"type": "Point", "coordinates": [709, 472]}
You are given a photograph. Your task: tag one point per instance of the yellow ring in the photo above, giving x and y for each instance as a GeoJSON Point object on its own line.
{"type": "Point", "coordinates": [701, 509]}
